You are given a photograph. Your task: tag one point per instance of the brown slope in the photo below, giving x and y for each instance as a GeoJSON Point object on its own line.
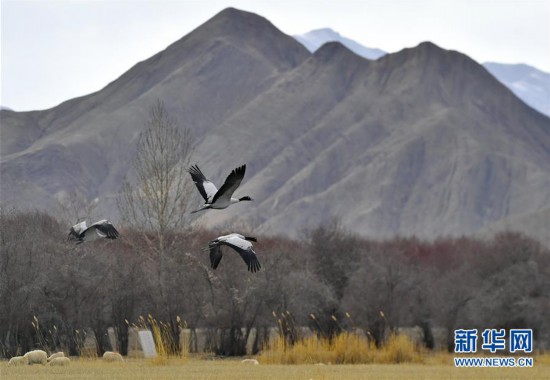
{"type": "Point", "coordinates": [241, 41]}
{"type": "Point", "coordinates": [202, 78]}
{"type": "Point", "coordinates": [423, 141]}
{"type": "Point", "coordinates": [417, 143]}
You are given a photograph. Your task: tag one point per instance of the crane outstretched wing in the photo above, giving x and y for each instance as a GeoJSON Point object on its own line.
{"type": "Point", "coordinates": [207, 189]}
{"type": "Point", "coordinates": [249, 257]}
{"type": "Point", "coordinates": [215, 255]}
{"type": "Point", "coordinates": [244, 248]}
{"type": "Point", "coordinates": [106, 230]}
{"type": "Point", "coordinates": [231, 183]}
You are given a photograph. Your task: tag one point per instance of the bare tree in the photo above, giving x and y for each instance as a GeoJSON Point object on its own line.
{"type": "Point", "coordinates": [25, 268]}
{"type": "Point", "coordinates": [156, 200]}
{"type": "Point", "coordinates": [75, 207]}
{"type": "Point", "coordinates": [159, 197]}
{"type": "Point", "coordinates": [335, 253]}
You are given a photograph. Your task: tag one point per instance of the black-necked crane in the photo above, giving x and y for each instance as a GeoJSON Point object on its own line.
{"type": "Point", "coordinates": [222, 198]}
{"type": "Point", "coordinates": [99, 230]}
{"type": "Point", "coordinates": [241, 244]}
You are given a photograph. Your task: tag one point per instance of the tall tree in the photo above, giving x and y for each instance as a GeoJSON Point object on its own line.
{"type": "Point", "coordinates": [156, 200]}
{"type": "Point", "coordinates": [159, 196]}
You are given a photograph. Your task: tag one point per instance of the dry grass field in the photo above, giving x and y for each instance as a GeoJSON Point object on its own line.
{"type": "Point", "coordinates": [229, 369]}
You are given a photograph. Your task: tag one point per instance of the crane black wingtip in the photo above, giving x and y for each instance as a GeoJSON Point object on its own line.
{"type": "Point", "coordinates": [254, 266]}
{"type": "Point", "coordinates": [196, 172]}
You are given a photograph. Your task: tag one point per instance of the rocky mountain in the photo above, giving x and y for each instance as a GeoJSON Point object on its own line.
{"type": "Point", "coordinates": [314, 39]}
{"type": "Point", "coordinates": [86, 144]}
{"type": "Point", "coordinates": [528, 83]}
{"type": "Point", "coordinates": [423, 141]}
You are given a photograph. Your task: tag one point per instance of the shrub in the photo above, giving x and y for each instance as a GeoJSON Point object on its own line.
{"type": "Point", "coordinates": [345, 348]}
{"type": "Point", "coordinates": [398, 349]}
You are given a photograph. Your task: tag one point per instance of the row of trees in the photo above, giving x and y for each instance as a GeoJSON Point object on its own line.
{"type": "Point", "coordinates": [331, 280]}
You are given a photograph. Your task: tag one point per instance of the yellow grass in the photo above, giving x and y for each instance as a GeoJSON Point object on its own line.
{"type": "Point", "coordinates": [232, 369]}
{"type": "Point", "coordinates": [398, 349]}
{"type": "Point", "coordinates": [346, 348]}
{"type": "Point", "coordinates": [165, 343]}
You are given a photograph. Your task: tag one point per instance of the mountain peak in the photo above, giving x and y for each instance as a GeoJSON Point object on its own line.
{"type": "Point", "coordinates": [428, 49]}
{"type": "Point", "coordinates": [246, 28]}
{"type": "Point", "coordinates": [314, 39]}
{"type": "Point", "coordinates": [238, 23]}
{"type": "Point", "coordinates": [429, 54]}
{"type": "Point", "coordinates": [324, 32]}
{"type": "Point", "coordinates": [230, 11]}
{"type": "Point", "coordinates": [428, 45]}
{"type": "Point", "coordinates": [233, 14]}
{"type": "Point", "coordinates": [334, 50]}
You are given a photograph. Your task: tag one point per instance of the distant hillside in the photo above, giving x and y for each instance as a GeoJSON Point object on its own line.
{"type": "Point", "coordinates": [423, 141]}
{"type": "Point", "coordinates": [314, 39]}
{"type": "Point", "coordinates": [528, 83]}
{"type": "Point", "coordinates": [535, 224]}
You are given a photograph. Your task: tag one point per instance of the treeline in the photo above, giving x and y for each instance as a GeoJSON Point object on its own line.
{"type": "Point", "coordinates": [330, 281]}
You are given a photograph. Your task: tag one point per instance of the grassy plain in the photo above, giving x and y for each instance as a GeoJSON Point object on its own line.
{"type": "Point", "coordinates": [436, 367]}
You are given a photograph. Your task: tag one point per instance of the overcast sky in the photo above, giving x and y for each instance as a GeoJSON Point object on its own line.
{"type": "Point", "coordinates": [53, 51]}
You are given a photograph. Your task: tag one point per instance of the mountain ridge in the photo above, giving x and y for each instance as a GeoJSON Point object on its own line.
{"type": "Point", "coordinates": [423, 141]}
{"type": "Point", "coordinates": [313, 39]}
{"type": "Point", "coordinates": [526, 82]}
